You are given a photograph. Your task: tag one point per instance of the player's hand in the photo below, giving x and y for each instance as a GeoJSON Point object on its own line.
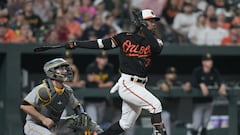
{"type": "Point", "coordinates": [204, 89]}
{"type": "Point", "coordinates": [48, 122]}
{"type": "Point", "coordinates": [164, 87]}
{"type": "Point", "coordinates": [186, 87]}
{"type": "Point", "coordinates": [71, 44]}
{"type": "Point", "coordinates": [138, 19]}
{"type": "Point", "coordinates": [114, 88]}
{"type": "Point", "coordinates": [222, 90]}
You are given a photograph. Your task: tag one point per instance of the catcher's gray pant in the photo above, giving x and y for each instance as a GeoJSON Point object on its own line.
{"type": "Point", "coordinates": [135, 98]}
{"type": "Point", "coordinates": [61, 128]}
{"type": "Point", "coordinates": [201, 115]}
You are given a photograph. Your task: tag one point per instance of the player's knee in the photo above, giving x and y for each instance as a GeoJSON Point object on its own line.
{"type": "Point", "coordinates": [156, 108]}
{"type": "Point", "coordinates": [125, 125]}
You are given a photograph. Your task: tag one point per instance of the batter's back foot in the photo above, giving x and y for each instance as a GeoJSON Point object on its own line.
{"type": "Point", "coordinates": [160, 130]}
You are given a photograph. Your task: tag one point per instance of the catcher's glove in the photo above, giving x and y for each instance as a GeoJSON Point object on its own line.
{"type": "Point", "coordinates": [81, 122]}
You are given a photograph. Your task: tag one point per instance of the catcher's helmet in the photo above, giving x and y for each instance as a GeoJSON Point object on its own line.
{"type": "Point", "coordinates": [51, 70]}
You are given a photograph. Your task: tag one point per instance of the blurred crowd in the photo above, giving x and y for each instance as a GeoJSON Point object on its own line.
{"type": "Point", "coordinates": [200, 22]}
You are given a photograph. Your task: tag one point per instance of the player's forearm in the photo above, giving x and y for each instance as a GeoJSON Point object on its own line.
{"type": "Point", "coordinates": [106, 85]}
{"type": "Point", "coordinates": [202, 86]}
{"type": "Point", "coordinates": [96, 44]}
{"type": "Point", "coordinates": [222, 87]}
{"type": "Point", "coordinates": [153, 41]}
{"type": "Point", "coordinates": [204, 89]}
{"type": "Point", "coordinates": [33, 112]}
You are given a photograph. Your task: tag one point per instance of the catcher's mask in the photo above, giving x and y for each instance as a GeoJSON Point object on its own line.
{"type": "Point", "coordinates": [58, 69]}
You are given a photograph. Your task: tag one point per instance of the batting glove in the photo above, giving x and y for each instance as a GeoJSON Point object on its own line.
{"type": "Point", "coordinates": [138, 19]}
{"type": "Point", "coordinates": [71, 45]}
{"type": "Point", "coordinates": [114, 88]}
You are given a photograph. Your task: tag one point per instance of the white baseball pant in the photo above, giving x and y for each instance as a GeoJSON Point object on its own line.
{"type": "Point", "coordinates": [135, 98]}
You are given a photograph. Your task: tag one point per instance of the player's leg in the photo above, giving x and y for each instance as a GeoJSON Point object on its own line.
{"type": "Point", "coordinates": [63, 128]}
{"type": "Point", "coordinates": [129, 116]}
{"type": "Point", "coordinates": [138, 95]}
{"type": "Point", "coordinates": [34, 129]}
{"type": "Point", "coordinates": [130, 113]}
{"type": "Point", "coordinates": [91, 110]}
{"type": "Point", "coordinates": [117, 117]}
{"type": "Point", "coordinates": [197, 118]}
{"type": "Point", "coordinates": [101, 107]}
{"type": "Point", "coordinates": [208, 108]}
{"type": "Point", "coordinates": [167, 121]}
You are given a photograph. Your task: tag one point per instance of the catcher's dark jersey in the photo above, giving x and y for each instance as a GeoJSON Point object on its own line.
{"type": "Point", "coordinates": [135, 50]}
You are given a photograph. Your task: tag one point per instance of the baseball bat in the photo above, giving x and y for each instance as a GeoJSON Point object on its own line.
{"type": "Point", "coordinates": [45, 48]}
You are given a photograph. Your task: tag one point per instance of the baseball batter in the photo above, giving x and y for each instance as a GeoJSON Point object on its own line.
{"type": "Point", "coordinates": [45, 104]}
{"type": "Point", "coordinates": [136, 51]}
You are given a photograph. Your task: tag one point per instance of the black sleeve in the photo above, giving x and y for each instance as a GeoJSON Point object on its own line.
{"type": "Point", "coordinates": [111, 75]}
{"type": "Point", "coordinates": [218, 77]}
{"type": "Point", "coordinates": [97, 44]}
{"type": "Point", "coordinates": [25, 103]}
{"type": "Point", "coordinates": [153, 41]}
{"type": "Point", "coordinates": [90, 68]}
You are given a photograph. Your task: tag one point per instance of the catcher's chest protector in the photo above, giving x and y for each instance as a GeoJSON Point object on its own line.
{"type": "Point", "coordinates": [57, 104]}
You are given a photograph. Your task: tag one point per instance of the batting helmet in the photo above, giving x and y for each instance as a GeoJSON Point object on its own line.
{"type": "Point", "coordinates": [149, 14]}
{"type": "Point", "coordinates": [51, 69]}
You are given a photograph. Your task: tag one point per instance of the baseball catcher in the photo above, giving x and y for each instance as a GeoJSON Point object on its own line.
{"type": "Point", "coordinates": [46, 102]}
{"type": "Point", "coordinates": [136, 52]}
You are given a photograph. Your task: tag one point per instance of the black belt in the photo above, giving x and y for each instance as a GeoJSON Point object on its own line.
{"type": "Point", "coordinates": [138, 80]}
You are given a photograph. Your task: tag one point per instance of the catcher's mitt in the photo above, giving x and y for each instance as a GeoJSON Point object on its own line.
{"type": "Point", "coordinates": [81, 122]}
